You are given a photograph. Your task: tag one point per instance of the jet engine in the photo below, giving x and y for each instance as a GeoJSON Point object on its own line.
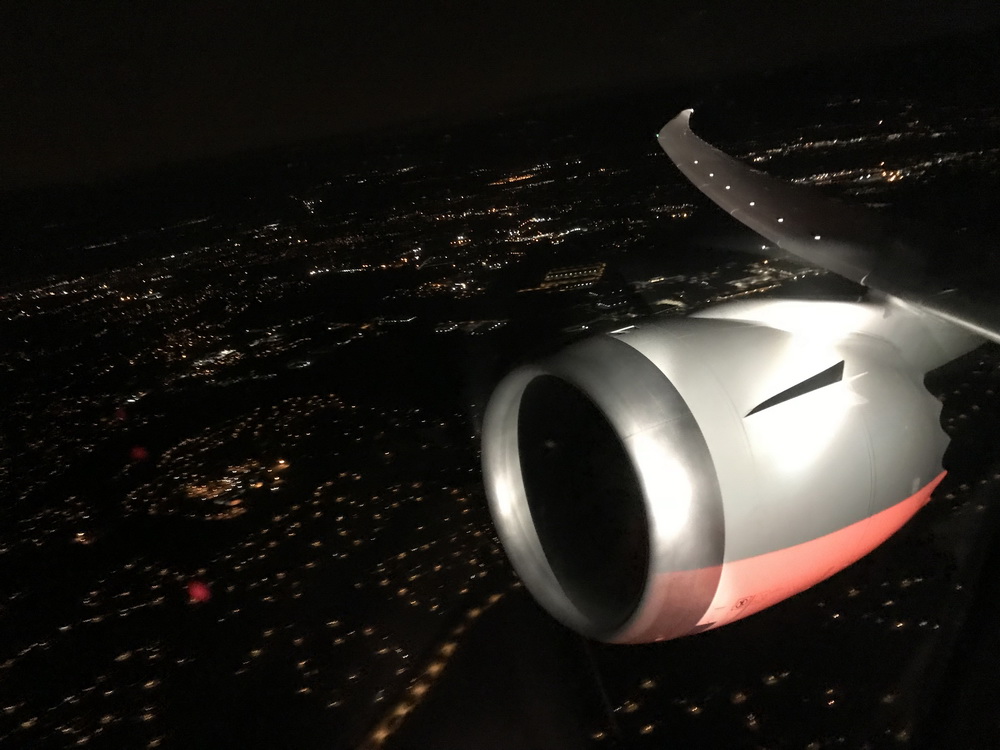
{"type": "Point", "coordinates": [683, 474]}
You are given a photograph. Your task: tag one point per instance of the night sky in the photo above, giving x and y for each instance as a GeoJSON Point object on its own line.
{"type": "Point", "coordinates": [90, 91]}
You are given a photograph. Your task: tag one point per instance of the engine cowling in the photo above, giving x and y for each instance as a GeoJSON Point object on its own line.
{"type": "Point", "coordinates": [684, 474]}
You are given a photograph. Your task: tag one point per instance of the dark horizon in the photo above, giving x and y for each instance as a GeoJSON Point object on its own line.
{"type": "Point", "coordinates": [60, 228]}
{"type": "Point", "coordinates": [94, 95]}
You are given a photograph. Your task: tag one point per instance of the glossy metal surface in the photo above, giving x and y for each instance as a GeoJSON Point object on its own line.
{"type": "Point", "coordinates": [723, 485]}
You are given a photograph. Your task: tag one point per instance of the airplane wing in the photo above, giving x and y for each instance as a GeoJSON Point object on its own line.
{"type": "Point", "coordinates": [851, 241]}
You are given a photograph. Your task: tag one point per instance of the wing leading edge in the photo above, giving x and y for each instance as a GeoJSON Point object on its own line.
{"type": "Point", "coordinates": [851, 241]}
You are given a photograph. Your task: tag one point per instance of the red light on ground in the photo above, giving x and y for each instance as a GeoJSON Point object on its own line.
{"type": "Point", "coordinates": [120, 414]}
{"type": "Point", "coordinates": [138, 453]}
{"type": "Point", "coordinates": [198, 592]}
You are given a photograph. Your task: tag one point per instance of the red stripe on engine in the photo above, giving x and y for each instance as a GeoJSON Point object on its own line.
{"type": "Point", "coordinates": [753, 584]}
{"type": "Point", "coordinates": [747, 586]}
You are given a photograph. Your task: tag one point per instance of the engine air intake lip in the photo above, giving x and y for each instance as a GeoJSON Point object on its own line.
{"type": "Point", "coordinates": [603, 492]}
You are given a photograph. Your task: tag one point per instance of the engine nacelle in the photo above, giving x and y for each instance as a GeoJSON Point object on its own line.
{"type": "Point", "coordinates": [684, 474]}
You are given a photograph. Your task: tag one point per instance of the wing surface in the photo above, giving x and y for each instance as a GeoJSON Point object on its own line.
{"type": "Point", "coordinates": [851, 241]}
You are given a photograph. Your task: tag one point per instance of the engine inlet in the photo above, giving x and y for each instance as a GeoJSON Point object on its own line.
{"type": "Point", "coordinates": [585, 500]}
{"type": "Point", "coordinates": [603, 492]}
